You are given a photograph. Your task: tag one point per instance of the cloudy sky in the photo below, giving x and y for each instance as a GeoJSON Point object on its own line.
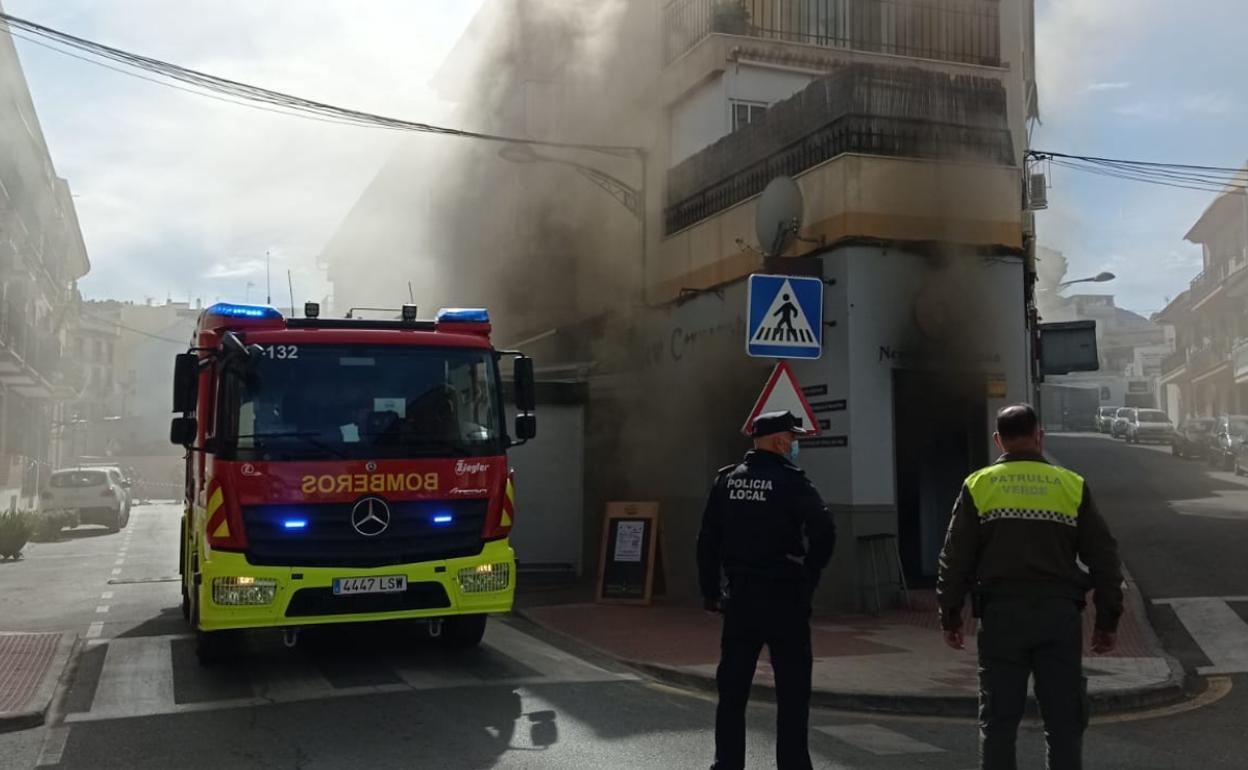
{"type": "Point", "coordinates": [182, 196]}
{"type": "Point", "coordinates": [1152, 80]}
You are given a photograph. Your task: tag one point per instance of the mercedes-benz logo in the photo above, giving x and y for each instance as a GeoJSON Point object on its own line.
{"type": "Point", "coordinates": [370, 516]}
{"type": "Point", "coordinates": [371, 466]}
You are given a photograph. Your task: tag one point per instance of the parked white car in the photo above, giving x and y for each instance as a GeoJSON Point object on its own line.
{"type": "Point", "coordinates": [90, 495]}
{"type": "Point", "coordinates": [1149, 425]}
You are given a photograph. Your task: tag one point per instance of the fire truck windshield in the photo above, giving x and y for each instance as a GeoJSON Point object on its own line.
{"type": "Point", "coordinates": [360, 401]}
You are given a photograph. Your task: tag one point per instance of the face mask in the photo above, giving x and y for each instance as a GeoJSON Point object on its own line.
{"type": "Point", "coordinates": [793, 452]}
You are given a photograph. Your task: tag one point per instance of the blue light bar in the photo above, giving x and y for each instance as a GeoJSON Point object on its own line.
{"type": "Point", "coordinates": [295, 523]}
{"type": "Point", "coordinates": [443, 518]}
{"type": "Point", "coordinates": [463, 315]}
{"type": "Point", "coordinates": [231, 310]}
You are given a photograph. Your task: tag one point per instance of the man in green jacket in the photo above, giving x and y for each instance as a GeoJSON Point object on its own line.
{"type": "Point", "coordinates": [1019, 529]}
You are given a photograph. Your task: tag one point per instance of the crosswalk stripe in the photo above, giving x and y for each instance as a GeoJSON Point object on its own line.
{"type": "Point", "coordinates": [878, 740]}
{"type": "Point", "coordinates": [1218, 630]}
{"type": "Point", "coordinates": [137, 676]}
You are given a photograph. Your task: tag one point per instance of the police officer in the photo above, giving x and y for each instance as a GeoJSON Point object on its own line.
{"type": "Point", "coordinates": [1018, 528]}
{"type": "Point", "coordinates": [766, 529]}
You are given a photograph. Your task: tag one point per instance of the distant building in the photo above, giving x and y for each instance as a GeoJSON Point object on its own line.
{"type": "Point", "coordinates": [42, 255]}
{"type": "Point", "coordinates": [1208, 372]}
{"type": "Point", "coordinates": [126, 350]}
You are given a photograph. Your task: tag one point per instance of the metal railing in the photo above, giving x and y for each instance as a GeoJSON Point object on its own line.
{"type": "Point", "coordinates": [865, 134]}
{"type": "Point", "coordinates": [967, 31]}
{"type": "Point", "coordinates": [1173, 361]}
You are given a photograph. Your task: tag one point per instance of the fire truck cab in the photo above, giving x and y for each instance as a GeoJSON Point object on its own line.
{"type": "Point", "coordinates": [346, 470]}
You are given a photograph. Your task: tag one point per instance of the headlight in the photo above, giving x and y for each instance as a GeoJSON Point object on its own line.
{"type": "Point", "coordinates": [235, 591]}
{"type": "Point", "coordinates": [484, 578]}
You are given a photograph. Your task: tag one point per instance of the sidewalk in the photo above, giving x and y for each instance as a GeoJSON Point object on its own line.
{"type": "Point", "coordinates": [30, 666]}
{"type": "Point", "coordinates": [897, 662]}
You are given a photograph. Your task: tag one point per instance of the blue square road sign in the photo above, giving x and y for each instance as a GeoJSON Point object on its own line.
{"type": "Point", "coordinates": [785, 317]}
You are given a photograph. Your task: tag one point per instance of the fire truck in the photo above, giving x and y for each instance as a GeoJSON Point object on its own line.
{"type": "Point", "coordinates": [346, 470]}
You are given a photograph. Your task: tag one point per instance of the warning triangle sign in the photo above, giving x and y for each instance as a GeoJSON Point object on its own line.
{"type": "Point", "coordinates": [782, 394]}
{"type": "Point", "coordinates": [785, 323]}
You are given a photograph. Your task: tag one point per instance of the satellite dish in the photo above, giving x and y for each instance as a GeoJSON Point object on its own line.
{"type": "Point", "coordinates": [779, 215]}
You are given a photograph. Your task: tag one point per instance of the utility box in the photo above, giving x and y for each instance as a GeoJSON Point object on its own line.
{"type": "Point", "coordinates": [1068, 346]}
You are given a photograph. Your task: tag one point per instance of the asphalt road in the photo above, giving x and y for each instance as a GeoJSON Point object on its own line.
{"type": "Point", "coordinates": [385, 698]}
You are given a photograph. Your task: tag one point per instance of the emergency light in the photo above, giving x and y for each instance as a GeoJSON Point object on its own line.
{"type": "Point", "coordinates": [231, 310]}
{"type": "Point", "coordinates": [443, 518]}
{"type": "Point", "coordinates": [295, 523]}
{"type": "Point", "coordinates": [463, 315]}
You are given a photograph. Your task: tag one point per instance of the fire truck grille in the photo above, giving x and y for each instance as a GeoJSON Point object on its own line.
{"type": "Point", "coordinates": [324, 535]}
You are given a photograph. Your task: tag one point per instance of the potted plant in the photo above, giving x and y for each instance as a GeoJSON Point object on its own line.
{"type": "Point", "coordinates": [730, 17]}
{"type": "Point", "coordinates": [16, 527]}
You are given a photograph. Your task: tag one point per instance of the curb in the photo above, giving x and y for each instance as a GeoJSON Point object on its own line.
{"type": "Point", "coordinates": [47, 690]}
{"type": "Point", "coordinates": [1119, 701]}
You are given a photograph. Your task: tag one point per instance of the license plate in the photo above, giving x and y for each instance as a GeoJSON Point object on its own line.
{"type": "Point", "coordinates": [382, 584]}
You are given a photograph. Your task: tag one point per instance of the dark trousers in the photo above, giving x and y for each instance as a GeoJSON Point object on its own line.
{"type": "Point", "coordinates": [776, 614]}
{"type": "Point", "coordinates": [1023, 637]}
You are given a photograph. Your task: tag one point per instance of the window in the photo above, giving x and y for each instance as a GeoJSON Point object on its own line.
{"type": "Point", "coordinates": [744, 112]}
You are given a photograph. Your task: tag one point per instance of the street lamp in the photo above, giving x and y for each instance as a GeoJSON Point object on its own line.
{"type": "Point", "coordinates": [1098, 278]}
{"type": "Point", "coordinates": [631, 198]}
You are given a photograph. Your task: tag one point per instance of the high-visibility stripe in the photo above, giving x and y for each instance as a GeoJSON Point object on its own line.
{"type": "Point", "coordinates": [1026, 490]}
{"type": "Point", "coordinates": [509, 505]}
{"type": "Point", "coordinates": [218, 525]}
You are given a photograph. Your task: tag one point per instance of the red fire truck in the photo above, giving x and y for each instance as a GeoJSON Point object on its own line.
{"type": "Point", "coordinates": [346, 470]}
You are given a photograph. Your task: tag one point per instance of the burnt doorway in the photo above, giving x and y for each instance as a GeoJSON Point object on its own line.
{"type": "Point", "coordinates": [940, 434]}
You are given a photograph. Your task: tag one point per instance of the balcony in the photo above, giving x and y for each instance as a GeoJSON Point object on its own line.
{"type": "Point", "coordinates": [1204, 359]}
{"type": "Point", "coordinates": [1173, 362]}
{"type": "Point", "coordinates": [965, 31]}
{"type": "Point", "coordinates": [901, 112]}
{"type": "Point", "coordinates": [28, 359]}
{"type": "Point", "coordinates": [1210, 280]}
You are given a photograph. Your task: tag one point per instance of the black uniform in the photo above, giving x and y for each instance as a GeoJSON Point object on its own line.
{"type": "Point", "coordinates": [769, 532]}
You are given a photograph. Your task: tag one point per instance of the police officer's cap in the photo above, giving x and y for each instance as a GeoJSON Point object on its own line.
{"type": "Point", "coordinates": [778, 422]}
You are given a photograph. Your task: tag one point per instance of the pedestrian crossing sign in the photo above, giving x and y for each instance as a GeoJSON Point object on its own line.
{"type": "Point", "coordinates": [786, 317]}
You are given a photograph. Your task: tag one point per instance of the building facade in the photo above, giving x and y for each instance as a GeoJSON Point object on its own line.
{"type": "Point", "coordinates": [904, 125]}
{"type": "Point", "coordinates": [42, 256]}
{"type": "Point", "coordinates": [1207, 375]}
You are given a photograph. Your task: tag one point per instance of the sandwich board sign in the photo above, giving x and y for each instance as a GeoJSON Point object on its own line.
{"type": "Point", "coordinates": [785, 317]}
{"type": "Point", "coordinates": [782, 394]}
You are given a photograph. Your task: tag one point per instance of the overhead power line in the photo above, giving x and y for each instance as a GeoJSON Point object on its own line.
{"type": "Point", "coordinates": [212, 86]}
{"type": "Point", "coordinates": [1214, 179]}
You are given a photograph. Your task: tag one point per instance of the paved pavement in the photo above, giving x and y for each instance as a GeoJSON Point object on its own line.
{"type": "Point", "coordinates": [897, 662]}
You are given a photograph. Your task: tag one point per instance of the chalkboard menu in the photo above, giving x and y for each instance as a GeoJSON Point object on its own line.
{"type": "Point", "coordinates": [626, 565]}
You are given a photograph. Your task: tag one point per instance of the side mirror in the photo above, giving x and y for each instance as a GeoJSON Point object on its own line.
{"type": "Point", "coordinates": [185, 382]}
{"type": "Point", "coordinates": [183, 430]}
{"type": "Point", "coordinates": [129, 484]}
{"type": "Point", "coordinates": [525, 386]}
{"type": "Point", "coordinates": [526, 426]}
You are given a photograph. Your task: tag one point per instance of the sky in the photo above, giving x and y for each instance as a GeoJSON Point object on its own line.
{"type": "Point", "coordinates": [181, 197]}
{"type": "Point", "coordinates": [1152, 80]}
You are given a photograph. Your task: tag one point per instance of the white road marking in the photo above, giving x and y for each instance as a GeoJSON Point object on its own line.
{"type": "Point", "coordinates": [53, 746]}
{"type": "Point", "coordinates": [100, 610]}
{"type": "Point", "coordinates": [1218, 630]}
{"type": "Point", "coordinates": [119, 562]}
{"type": "Point", "coordinates": [95, 629]}
{"type": "Point", "coordinates": [878, 740]}
{"type": "Point", "coordinates": [106, 595]}
{"type": "Point", "coordinates": [116, 571]}
{"type": "Point", "coordinates": [137, 677]}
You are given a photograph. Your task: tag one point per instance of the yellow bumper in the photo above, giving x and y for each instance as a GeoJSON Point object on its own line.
{"type": "Point", "coordinates": [319, 580]}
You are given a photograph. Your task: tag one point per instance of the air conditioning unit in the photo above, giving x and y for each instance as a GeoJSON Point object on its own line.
{"type": "Point", "coordinates": [1037, 192]}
